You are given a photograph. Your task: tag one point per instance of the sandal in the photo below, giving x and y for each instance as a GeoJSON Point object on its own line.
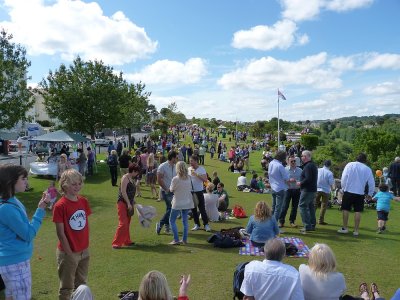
{"type": "Point", "coordinates": [374, 289]}
{"type": "Point", "coordinates": [363, 288]}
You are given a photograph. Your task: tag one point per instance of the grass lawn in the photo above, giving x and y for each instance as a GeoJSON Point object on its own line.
{"type": "Point", "coordinates": [369, 257]}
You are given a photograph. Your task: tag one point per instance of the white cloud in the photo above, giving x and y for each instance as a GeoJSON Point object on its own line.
{"type": "Point", "coordinates": [171, 72]}
{"type": "Point", "coordinates": [269, 72]}
{"type": "Point", "coordinates": [391, 103]}
{"type": "Point", "coordinates": [342, 63]}
{"type": "Point", "coordinates": [303, 39]}
{"type": "Point", "coordinates": [345, 5]}
{"type": "Point", "coordinates": [281, 35]}
{"type": "Point", "coordinates": [381, 61]}
{"type": "Point", "coordinates": [71, 28]}
{"type": "Point", "coordinates": [383, 89]}
{"type": "Point", "coordinates": [311, 104]}
{"type": "Point", "coordinates": [298, 10]}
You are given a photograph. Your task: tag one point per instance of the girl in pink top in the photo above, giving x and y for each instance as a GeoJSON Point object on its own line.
{"type": "Point", "coordinates": [53, 193]}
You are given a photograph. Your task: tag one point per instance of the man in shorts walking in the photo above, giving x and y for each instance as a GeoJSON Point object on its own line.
{"type": "Point", "coordinates": [356, 177]}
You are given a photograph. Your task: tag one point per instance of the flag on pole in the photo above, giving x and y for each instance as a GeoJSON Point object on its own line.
{"type": "Point", "coordinates": [280, 95]}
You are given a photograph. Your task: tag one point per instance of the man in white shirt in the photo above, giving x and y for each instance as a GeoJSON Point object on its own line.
{"type": "Point", "coordinates": [198, 176]}
{"type": "Point", "coordinates": [165, 172]}
{"type": "Point", "coordinates": [355, 178]}
{"type": "Point", "coordinates": [270, 278]}
{"type": "Point", "coordinates": [324, 186]}
{"type": "Point", "coordinates": [242, 181]}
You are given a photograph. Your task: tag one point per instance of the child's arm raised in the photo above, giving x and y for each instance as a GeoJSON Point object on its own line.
{"type": "Point", "coordinates": [63, 239]}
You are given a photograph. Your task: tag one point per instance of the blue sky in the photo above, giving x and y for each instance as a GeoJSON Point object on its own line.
{"type": "Point", "coordinates": [226, 59]}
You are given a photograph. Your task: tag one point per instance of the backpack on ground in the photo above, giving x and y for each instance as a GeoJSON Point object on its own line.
{"type": "Point", "coordinates": [233, 232]}
{"type": "Point", "coordinates": [238, 211]}
{"type": "Point", "coordinates": [238, 277]}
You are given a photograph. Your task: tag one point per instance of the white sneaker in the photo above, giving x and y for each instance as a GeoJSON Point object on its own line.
{"type": "Point", "coordinates": [355, 233]}
{"type": "Point", "coordinates": [343, 230]}
{"type": "Point", "coordinates": [207, 228]}
{"type": "Point", "coordinates": [195, 228]}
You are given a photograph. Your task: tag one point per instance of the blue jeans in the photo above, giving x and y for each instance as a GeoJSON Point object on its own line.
{"type": "Point", "coordinates": [278, 199]}
{"type": "Point", "coordinates": [172, 222]}
{"type": "Point", "coordinates": [167, 197]}
{"type": "Point", "coordinates": [307, 209]}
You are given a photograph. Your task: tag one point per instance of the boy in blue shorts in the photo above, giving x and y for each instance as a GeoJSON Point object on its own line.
{"type": "Point", "coordinates": [383, 198]}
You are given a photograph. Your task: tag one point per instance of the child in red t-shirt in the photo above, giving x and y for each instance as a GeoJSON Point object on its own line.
{"type": "Point", "coordinates": [70, 216]}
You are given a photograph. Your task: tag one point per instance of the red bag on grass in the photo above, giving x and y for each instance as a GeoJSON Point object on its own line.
{"type": "Point", "coordinates": [238, 211]}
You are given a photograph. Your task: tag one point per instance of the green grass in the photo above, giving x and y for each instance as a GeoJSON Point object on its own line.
{"type": "Point", "coordinates": [369, 257]}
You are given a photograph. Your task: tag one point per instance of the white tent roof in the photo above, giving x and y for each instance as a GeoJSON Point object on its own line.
{"type": "Point", "coordinates": [60, 136]}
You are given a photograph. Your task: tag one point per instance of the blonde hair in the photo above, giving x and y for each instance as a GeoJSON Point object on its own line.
{"type": "Point", "coordinates": [262, 211]}
{"type": "Point", "coordinates": [210, 187]}
{"type": "Point", "coordinates": [321, 260]}
{"type": "Point", "coordinates": [69, 177]}
{"type": "Point", "coordinates": [150, 160]}
{"type": "Point", "coordinates": [113, 152]}
{"type": "Point", "coordinates": [154, 286]}
{"type": "Point", "coordinates": [181, 170]}
{"type": "Point", "coordinates": [64, 156]}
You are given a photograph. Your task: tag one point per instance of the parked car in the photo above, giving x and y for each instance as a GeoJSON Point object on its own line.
{"type": "Point", "coordinates": [102, 142]}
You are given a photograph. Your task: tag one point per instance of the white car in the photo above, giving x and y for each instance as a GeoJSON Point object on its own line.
{"type": "Point", "coordinates": [102, 142]}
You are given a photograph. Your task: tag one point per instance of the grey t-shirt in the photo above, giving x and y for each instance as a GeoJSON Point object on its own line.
{"type": "Point", "coordinates": [168, 172]}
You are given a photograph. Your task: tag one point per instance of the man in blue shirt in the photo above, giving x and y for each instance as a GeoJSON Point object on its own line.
{"type": "Point", "coordinates": [324, 185]}
{"type": "Point", "coordinates": [278, 178]}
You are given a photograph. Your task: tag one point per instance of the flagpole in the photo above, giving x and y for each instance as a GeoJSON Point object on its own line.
{"type": "Point", "coordinates": [279, 136]}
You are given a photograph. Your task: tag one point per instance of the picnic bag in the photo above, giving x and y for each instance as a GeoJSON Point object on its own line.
{"type": "Point", "coordinates": [238, 276]}
{"type": "Point", "coordinates": [291, 249]}
{"type": "Point", "coordinates": [233, 232]}
{"type": "Point", "coordinates": [238, 211]}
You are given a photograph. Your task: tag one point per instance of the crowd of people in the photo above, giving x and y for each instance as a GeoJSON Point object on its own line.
{"type": "Point", "coordinates": [189, 192]}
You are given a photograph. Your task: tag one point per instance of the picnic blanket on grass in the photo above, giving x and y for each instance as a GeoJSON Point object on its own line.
{"type": "Point", "coordinates": [248, 248]}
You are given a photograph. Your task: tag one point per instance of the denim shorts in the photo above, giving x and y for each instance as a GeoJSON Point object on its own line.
{"type": "Point", "coordinates": [383, 215]}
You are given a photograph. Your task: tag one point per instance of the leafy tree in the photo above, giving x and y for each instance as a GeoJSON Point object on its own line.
{"type": "Point", "coordinates": [161, 124]}
{"type": "Point", "coordinates": [86, 96]}
{"type": "Point", "coordinates": [309, 141]}
{"type": "Point", "coordinates": [15, 97]}
{"type": "Point", "coordinates": [376, 143]}
{"type": "Point", "coordinates": [258, 129]}
{"type": "Point", "coordinates": [136, 110]}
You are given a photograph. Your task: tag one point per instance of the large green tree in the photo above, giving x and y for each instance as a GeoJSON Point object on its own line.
{"type": "Point", "coordinates": [85, 97]}
{"type": "Point", "coordinates": [15, 97]}
{"type": "Point", "coordinates": [136, 110]}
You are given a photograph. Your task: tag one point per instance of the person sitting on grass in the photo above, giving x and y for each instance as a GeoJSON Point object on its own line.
{"type": "Point", "coordinates": [383, 198]}
{"type": "Point", "coordinates": [223, 200]}
{"type": "Point", "coordinates": [242, 181]}
{"type": "Point", "coordinates": [271, 278]}
{"type": "Point", "coordinates": [211, 203]}
{"type": "Point", "coordinates": [319, 278]}
{"type": "Point", "coordinates": [254, 184]}
{"type": "Point", "coordinates": [154, 286]}
{"type": "Point", "coordinates": [262, 226]}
